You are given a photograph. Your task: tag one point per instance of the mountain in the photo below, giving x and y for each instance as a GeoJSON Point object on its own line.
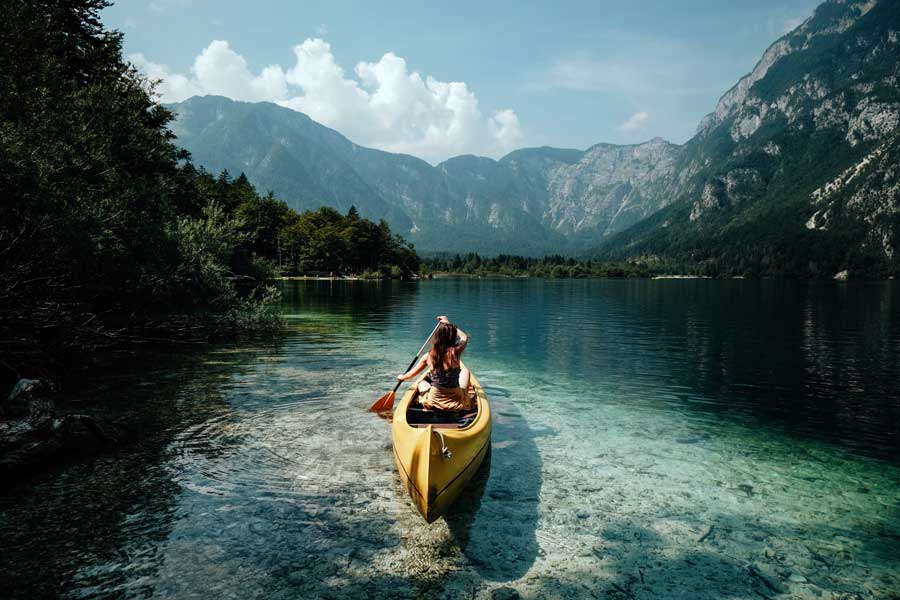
{"type": "Point", "coordinates": [795, 171]}
{"type": "Point", "coordinates": [792, 173]}
{"type": "Point", "coordinates": [610, 188]}
{"type": "Point", "coordinates": [531, 201]}
{"type": "Point", "coordinates": [285, 151]}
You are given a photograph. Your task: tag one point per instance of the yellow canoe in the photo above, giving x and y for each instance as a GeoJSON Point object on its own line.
{"type": "Point", "coordinates": [437, 460]}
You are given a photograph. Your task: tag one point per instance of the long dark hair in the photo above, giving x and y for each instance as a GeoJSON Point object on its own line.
{"type": "Point", "coordinates": [444, 341]}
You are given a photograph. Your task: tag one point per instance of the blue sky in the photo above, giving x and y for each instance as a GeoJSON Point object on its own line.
{"type": "Point", "coordinates": [439, 79]}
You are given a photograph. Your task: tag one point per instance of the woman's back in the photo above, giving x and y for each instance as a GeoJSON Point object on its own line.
{"type": "Point", "coordinates": [449, 379]}
{"type": "Point", "coordinates": [445, 379]}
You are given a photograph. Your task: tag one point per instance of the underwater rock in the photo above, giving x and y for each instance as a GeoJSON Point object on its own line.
{"type": "Point", "coordinates": [797, 578]}
{"type": "Point", "coordinates": [504, 593]}
{"type": "Point", "coordinates": [747, 489]}
{"type": "Point", "coordinates": [78, 433]}
{"type": "Point", "coordinates": [32, 436]}
{"type": "Point", "coordinates": [23, 394]}
{"type": "Point", "coordinates": [767, 579]}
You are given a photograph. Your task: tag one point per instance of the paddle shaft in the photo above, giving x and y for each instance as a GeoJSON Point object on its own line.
{"type": "Point", "coordinates": [416, 357]}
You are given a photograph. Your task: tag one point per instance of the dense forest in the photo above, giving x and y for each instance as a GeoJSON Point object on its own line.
{"type": "Point", "coordinates": [274, 239]}
{"type": "Point", "coordinates": [558, 266]}
{"type": "Point", "coordinates": [107, 231]}
{"type": "Point", "coordinates": [554, 266]}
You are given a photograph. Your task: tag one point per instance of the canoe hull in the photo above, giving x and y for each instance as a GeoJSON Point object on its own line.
{"type": "Point", "coordinates": [432, 478]}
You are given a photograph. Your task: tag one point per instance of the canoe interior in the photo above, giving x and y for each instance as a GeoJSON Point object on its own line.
{"type": "Point", "coordinates": [419, 417]}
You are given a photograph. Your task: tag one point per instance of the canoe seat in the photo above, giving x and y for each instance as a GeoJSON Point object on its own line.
{"type": "Point", "coordinates": [439, 419]}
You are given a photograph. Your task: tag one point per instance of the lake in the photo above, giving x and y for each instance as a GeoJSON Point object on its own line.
{"type": "Point", "coordinates": [652, 438]}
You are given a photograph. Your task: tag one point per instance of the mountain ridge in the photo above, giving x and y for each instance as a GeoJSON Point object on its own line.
{"type": "Point", "coordinates": [451, 206]}
{"type": "Point", "coordinates": [821, 99]}
{"type": "Point", "coordinates": [818, 101]}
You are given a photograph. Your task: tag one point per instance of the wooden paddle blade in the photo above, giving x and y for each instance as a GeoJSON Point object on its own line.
{"type": "Point", "coordinates": [386, 402]}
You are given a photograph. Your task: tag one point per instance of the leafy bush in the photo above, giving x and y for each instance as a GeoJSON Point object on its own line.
{"type": "Point", "coordinates": [107, 233]}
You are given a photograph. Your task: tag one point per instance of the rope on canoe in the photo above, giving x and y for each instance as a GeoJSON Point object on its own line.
{"type": "Point", "coordinates": [445, 451]}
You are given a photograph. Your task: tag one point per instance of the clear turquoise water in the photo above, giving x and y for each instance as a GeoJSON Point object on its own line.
{"type": "Point", "coordinates": [688, 439]}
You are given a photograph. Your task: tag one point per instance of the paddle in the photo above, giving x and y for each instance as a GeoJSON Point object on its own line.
{"type": "Point", "coordinates": [386, 402]}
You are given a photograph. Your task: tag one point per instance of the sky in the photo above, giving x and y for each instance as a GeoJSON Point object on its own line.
{"type": "Point", "coordinates": [439, 79]}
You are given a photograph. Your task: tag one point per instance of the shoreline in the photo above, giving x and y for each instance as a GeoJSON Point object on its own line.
{"type": "Point", "coordinates": [451, 275]}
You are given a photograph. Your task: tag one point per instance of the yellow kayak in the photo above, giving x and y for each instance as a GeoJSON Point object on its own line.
{"type": "Point", "coordinates": [437, 453]}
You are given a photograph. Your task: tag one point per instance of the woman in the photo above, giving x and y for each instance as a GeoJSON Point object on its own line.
{"type": "Point", "coordinates": [449, 379]}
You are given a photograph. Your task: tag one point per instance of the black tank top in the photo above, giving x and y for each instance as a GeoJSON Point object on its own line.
{"type": "Point", "coordinates": [449, 378]}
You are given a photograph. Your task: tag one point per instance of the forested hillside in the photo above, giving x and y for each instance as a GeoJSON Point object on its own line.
{"type": "Point", "coordinates": [108, 234]}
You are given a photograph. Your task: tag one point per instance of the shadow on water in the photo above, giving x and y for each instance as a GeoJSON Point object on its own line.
{"type": "Point", "coordinates": [632, 561]}
{"type": "Point", "coordinates": [496, 521]}
{"type": "Point", "coordinates": [462, 514]}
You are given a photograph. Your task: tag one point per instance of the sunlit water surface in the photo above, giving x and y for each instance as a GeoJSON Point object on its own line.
{"type": "Point", "coordinates": [686, 439]}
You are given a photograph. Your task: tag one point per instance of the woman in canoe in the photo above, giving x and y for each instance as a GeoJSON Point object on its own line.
{"type": "Point", "coordinates": [449, 379]}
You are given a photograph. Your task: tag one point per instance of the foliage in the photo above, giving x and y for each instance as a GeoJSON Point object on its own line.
{"type": "Point", "coordinates": [555, 266]}
{"type": "Point", "coordinates": [326, 241]}
{"type": "Point", "coordinates": [108, 232]}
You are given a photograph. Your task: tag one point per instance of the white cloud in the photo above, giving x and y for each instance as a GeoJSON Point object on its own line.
{"type": "Point", "coordinates": [172, 87]}
{"type": "Point", "coordinates": [221, 71]}
{"type": "Point", "coordinates": [384, 105]}
{"type": "Point", "coordinates": [505, 125]}
{"type": "Point", "coordinates": [635, 121]}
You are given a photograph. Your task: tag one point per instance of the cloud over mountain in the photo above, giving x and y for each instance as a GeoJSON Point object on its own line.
{"type": "Point", "coordinates": [384, 104]}
{"type": "Point", "coordinates": [635, 121]}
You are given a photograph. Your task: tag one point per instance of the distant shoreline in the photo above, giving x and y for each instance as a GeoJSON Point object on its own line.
{"type": "Point", "coordinates": [450, 275]}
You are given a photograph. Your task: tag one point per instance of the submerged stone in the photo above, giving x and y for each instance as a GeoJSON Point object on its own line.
{"type": "Point", "coordinates": [504, 593]}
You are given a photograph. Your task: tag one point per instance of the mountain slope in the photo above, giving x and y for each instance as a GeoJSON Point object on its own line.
{"type": "Point", "coordinates": [821, 100]}
{"type": "Point", "coordinates": [279, 150]}
{"type": "Point", "coordinates": [532, 201]}
{"type": "Point", "coordinates": [611, 188]}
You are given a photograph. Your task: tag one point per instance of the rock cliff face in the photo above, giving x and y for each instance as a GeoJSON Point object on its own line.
{"type": "Point", "coordinates": [867, 194]}
{"type": "Point", "coordinates": [610, 188]}
{"type": "Point", "coordinates": [821, 104]}
{"type": "Point", "coordinates": [821, 108]}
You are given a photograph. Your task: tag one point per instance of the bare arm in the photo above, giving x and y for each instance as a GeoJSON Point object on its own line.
{"type": "Point", "coordinates": [423, 362]}
{"type": "Point", "coordinates": [463, 341]}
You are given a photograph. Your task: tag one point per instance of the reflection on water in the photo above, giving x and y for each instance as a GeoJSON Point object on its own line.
{"type": "Point", "coordinates": [652, 439]}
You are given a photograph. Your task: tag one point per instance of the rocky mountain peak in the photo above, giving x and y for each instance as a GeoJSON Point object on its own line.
{"type": "Point", "coordinates": [831, 17]}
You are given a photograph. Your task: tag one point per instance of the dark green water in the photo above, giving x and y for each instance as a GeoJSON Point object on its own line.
{"type": "Point", "coordinates": [670, 438]}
